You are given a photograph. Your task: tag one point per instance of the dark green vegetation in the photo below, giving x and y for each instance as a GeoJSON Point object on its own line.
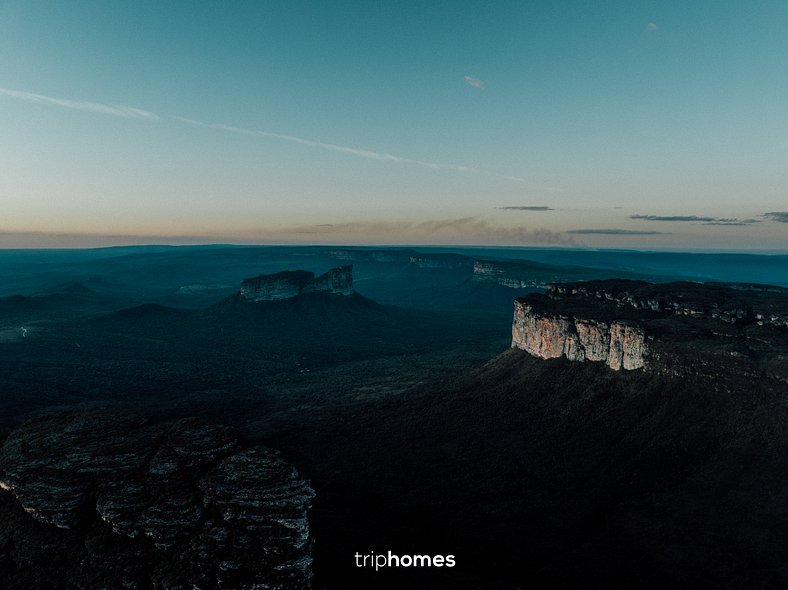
{"type": "Point", "coordinates": [235, 359]}
{"type": "Point", "coordinates": [417, 428]}
{"type": "Point", "coordinates": [553, 474]}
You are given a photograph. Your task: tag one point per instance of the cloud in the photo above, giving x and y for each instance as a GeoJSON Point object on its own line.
{"type": "Point", "coordinates": [462, 231]}
{"type": "Point", "coordinates": [672, 218]}
{"type": "Point", "coordinates": [527, 208]}
{"type": "Point", "coordinates": [475, 82]}
{"type": "Point", "coordinates": [82, 105]}
{"type": "Point", "coordinates": [617, 232]}
{"type": "Point", "coordinates": [651, 27]}
{"type": "Point", "coordinates": [135, 113]}
{"type": "Point", "coordinates": [465, 230]}
{"type": "Point", "coordinates": [733, 222]}
{"type": "Point", "coordinates": [781, 216]}
{"type": "Point", "coordinates": [42, 239]}
{"type": "Point", "coordinates": [358, 152]}
{"type": "Point", "coordinates": [696, 219]}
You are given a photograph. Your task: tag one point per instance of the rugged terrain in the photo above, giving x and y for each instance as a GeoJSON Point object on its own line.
{"type": "Point", "coordinates": [671, 327]}
{"type": "Point", "coordinates": [289, 284]}
{"type": "Point", "coordinates": [417, 429]}
{"type": "Point", "coordinates": [553, 473]}
{"type": "Point", "coordinates": [97, 498]}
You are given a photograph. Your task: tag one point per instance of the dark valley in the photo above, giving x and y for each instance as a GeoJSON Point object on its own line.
{"type": "Point", "coordinates": [253, 417]}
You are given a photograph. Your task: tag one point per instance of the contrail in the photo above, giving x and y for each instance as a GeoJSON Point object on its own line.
{"type": "Point", "coordinates": [81, 105]}
{"type": "Point", "coordinates": [127, 112]}
{"type": "Point", "coordinates": [359, 152]}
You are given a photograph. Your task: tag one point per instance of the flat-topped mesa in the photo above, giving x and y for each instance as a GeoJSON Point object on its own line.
{"type": "Point", "coordinates": [292, 283]}
{"type": "Point", "coordinates": [678, 328]}
{"type": "Point", "coordinates": [364, 255]}
{"type": "Point", "coordinates": [729, 303]}
{"type": "Point", "coordinates": [441, 260]}
{"type": "Point", "coordinates": [337, 281]}
{"type": "Point", "coordinates": [544, 333]}
{"type": "Point", "coordinates": [516, 275]}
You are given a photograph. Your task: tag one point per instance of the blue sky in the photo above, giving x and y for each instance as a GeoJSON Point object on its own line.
{"type": "Point", "coordinates": [620, 124]}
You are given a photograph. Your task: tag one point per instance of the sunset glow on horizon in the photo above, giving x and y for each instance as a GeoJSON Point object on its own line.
{"type": "Point", "coordinates": [628, 125]}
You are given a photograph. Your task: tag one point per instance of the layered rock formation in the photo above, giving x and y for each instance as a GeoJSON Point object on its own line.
{"type": "Point", "coordinates": [441, 260]}
{"type": "Point", "coordinates": [288, 284]}
{"type": "Point", "coordinates": [506, 274]}
{"type": "Point", "coordinates": [619, 345]}
{"type": "Point", "coordinates": [730, 303]}
{"type": "Point", "coordinates": [675, 328]}
{"type": "Point", "coordinates": [363, 255]}
{"type": "Point", "coordinates": [337, 281]}
{"type": "Point", "coordinates": [136, 505]}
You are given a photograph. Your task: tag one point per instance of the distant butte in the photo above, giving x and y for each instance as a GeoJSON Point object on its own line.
{"type": "Point", "coordinates": [292, 283]}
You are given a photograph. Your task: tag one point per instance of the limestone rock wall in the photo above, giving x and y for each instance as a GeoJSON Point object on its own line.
{"type": "Point", "coordinates": [492, 272]}
{"type": "Point", "coordinates": [337, 281]}
{"type": "Point", "coordinates": [620, 345]}
{"type": "Point", "coordinates": [289, 284]}
{"type": "Point", "coordinates": [454, 261]}
{"type": "Point", "coordinates": [729, 303]}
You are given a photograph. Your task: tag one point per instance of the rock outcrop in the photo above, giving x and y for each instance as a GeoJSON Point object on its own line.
{"type": "Point", "coordinates": [507, 275]}
{"type": "Point", "coordinates": [365, 255]}
{"type": "Point", "coordinates": [676, 328]}
{"type": "Point", "coordinates": [137, 505]}
{"type": "Point", "coordinates": [620, 345]}
{"type": "Point", "coordinates": [729, 303]}
{"type": "Point", "coordinates": [288, 284]}
{"type": "Point", "coordinates": [441, 260]}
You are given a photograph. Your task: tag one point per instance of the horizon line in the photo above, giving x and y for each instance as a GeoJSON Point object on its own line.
{"type": "Point", "coordinates": [752, 251]}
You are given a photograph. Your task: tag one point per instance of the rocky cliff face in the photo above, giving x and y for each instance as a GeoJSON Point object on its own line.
{"type": "Point", "coordinates": [289, 284]}
{"type": "Point", "coordinates": [363, 255]}
{"type": "Point", "coordinates": [123, 503]}
{"type": "Point", "coordinates": [620, 345]}
{"type": "Point", "coordinates": [507, 275]}
{"type": "Point", "coordinates": [733, 303]}
{"type": "Point", "coordinates": [441, 260]}
{"type": "Point", "coordinates": [677, 329]}
{"type": "Point", "coordinates": [337, 281]}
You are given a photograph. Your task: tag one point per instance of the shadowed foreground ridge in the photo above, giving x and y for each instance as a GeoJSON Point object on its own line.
{"type": "Point", "coordinates": [98, 497]}
{"type": "Point", "coordinates": [559, 474]}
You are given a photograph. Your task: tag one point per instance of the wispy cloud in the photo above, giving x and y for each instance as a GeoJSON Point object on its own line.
{"type": "Point", "coordinates": [733, 222]}
{"type": "Point", "coordinates": [82, 105]}
{"type": "Point", "coordinates": [617, 232]}
{"type": "Point", "coordinates": [697, 219]}
{"type": "Point", "coordinates": [135, 113]}
{"type": "Point", "coordinates": [462, 231]}
{"type": "Point", "coordinates": [651, 27]}
{"type": "Point", "coordinates": [42, 239]}
{"type": "Point", "coordinates": [475, 82]}
{"type": "Point", "coordinates": [781, 216]}
{"type": "Point", "coordinates": [672, 218]}
{"type": "Point", "coordinates": [465, 230]}
{"type": "Point", "coordinates": [527, 208]}
{"type": "Point", "coordinates": [359, 152]}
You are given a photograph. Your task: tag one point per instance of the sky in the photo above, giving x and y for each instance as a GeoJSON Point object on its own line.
{"type": "Point", "coordinates": [637, 124]}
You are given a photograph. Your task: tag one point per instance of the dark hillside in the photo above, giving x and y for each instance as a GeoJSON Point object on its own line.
{"type": "Point", "coordinates": [557, 474]}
